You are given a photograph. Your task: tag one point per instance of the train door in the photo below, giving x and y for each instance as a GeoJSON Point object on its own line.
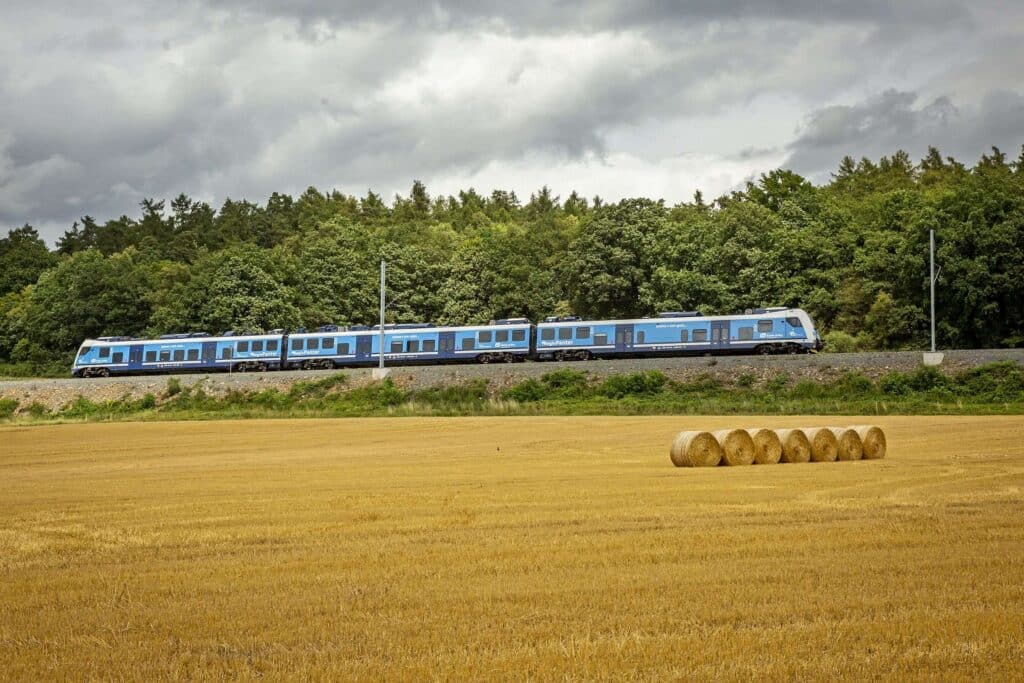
{"type": "Point", "coordinates": [364, 347]}
{"type": "Point", "coordinates": [446, 344]}
{"type": "Point", "coordinates": [135, 357]}
{"type": "Point", "coordinates": [209, 355]}
{"type": "Point", "coordinates": [623, 338]}
{"type": "Point", "coordinates": [719, 334]}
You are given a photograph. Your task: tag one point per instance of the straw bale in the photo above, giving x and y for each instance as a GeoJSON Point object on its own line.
{"type": "Point", "coordinates": [824, 446]}
{"type": "Point", "coordinates": [737, 446]}
{"type": "Point", "coordinates": [695, 449]}
{"type": "Point", "coordinates": [795, 446]}
{"type": "Point", "coordinates": [873, 439]}
{"type": "Point", "coordinates": [850, 447]}
{"type": "Point", "coordinates": [767, 446]}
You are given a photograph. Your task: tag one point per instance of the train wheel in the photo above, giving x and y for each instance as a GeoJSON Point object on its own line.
{"type": "Point", "coordinates": [509, 358]}
{"type": "Point", "coordinates": [484, 358]}
{"type": "Point", "coordinates": [261, 367]}
{"type": "Point", "coordinates": [583, 355]}
{"type": "Point", "coordinates": [103, 372]}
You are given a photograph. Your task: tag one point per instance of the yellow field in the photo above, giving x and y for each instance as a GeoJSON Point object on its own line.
{"type": "Point", "coordinates": [498, 548]}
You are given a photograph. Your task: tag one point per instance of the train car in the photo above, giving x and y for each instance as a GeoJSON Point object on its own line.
{"type": "Point", "coordinates": [763, 330]}
{"type": "Point", "coordinates": [506, 340]}
{"type": "Point", "coordinates": [195, 352]}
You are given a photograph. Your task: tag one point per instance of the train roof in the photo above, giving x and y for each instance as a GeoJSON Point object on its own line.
{"type": "Point", "coordinates": [406, 329]}
{"type": "Point", "coordinates": [761, 312]}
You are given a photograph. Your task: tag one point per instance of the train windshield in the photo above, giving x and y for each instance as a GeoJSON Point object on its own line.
{"type": "Point", "coordinates": [84, 350]}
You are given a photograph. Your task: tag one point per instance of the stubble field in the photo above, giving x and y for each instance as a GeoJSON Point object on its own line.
{"type": "Point", "coordinates": [496, 548]}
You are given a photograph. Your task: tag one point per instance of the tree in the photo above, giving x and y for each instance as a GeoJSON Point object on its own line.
{"type": "Point", "coordinates": [609, 263]}
{"type": "Point", "coordinates": [234, 289]}
{"type": "Point", "coordinates": [23, 257]}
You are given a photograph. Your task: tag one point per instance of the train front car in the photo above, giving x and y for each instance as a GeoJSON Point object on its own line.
{"type": "Point", "coordinates": [175, 353]}
{"type": "Point", "coordinates": [678, 333]}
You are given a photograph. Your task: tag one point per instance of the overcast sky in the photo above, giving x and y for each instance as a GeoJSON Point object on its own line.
{"type": "Point", "coordinates": [103, 104]}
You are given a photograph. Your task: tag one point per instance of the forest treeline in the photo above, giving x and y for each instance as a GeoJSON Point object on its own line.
{"type": "Point", "coordinates": [853, 252]}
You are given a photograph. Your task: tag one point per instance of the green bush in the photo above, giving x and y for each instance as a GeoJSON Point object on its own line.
{"type": "Point", "coordinates": [746, 380]}
{"type": "Point", "coordinates": [638, 384]}
{"type": "Point", "coordinates": [464, 394]}
{"type": "Point", "coordinates": [173, 387]}
{"type": "Point", "coordinates": [527, 391]}
{"type": "Point", "coordinates": [777, 383]}
{"type": "Point", "coordinates": [566, 383]}
{"type": "Point", "coordinates": [927, 378]}
{"type": "Point", "coordinates": [147, 402]}
{"type": "Point", "coordinates": [895, 384]}
{"type": "Point", "coordinates": [853, 384]}
{"type": "Point", "coordinates": [838, 341]}
{"type": "Point", "coordinates": [7, 407]}
{"type": "Point", "coordinates": [38, 410]}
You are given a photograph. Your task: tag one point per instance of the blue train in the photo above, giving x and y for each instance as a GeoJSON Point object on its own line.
{"type": "Point", "coordinates": [771, 330]}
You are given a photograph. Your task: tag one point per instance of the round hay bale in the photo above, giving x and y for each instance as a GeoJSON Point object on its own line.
{"type": "Point", "coordinates": [873, 440]}
{"type": "Point", "coordinates": [824, 445]}
{"type": "Point", "coordinates": [695, 449]}
{"type": "Point", "coordinates": [795, 446]}
{"type": "Point", "coordinates": [767, 446]}
{"type": "Point", "coordinates": [850, 447]}
{"type": "Point", "coordinates": [737, 447]}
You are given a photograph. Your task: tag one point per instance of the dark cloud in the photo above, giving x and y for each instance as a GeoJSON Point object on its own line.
{"type": "Point", "coordinates": [899, 120]}
{"type": "Point", "coordinates": [611, 15]}
{"type": "Point", "coordinates": [242, 99]}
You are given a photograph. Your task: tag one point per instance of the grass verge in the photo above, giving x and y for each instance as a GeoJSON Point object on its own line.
{"type": "Point", "coordinates": [997, 388]}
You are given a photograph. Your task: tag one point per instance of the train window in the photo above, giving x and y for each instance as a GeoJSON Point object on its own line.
{"type": "Point", "coordinates": [85, 350]}
{"type": "Point", "coordinates": [105, 352]}
{"type": "Point", "coordinates": [272, 345]}
{"type": "Point", "coordinates": [343, 348]}
{"type": "Point", "coordinates": [547, 334]}
{"type": "Point", "coordinates": [179, 355]}
{"type": "Point", "coordinates": [583, 333]}
{"type": "Point", "coordinates": [193, 354]}
{"type": "Point", "coordinates": [795, 322]}
{"type": "Point", "coordinates": [640, 337]}
{"type": "Point", "coordinates": [327, 343]}
{"type": "Point", "coordinates": [762, 326]}
{"type": "Point", "coordinates": [700, 335]}
{"type": "Point", "coordinates": [165, 356]}
{"type": "Point", "coordinates": [225, 353]}
{"type": "Point", "coordinates": [484, 336]}
{"type": "Point", "coordinates": [748, 332]}
{"type": "Point", "coordinates": [118, 357]}
{"type": "Point", "coordinates": [468, 344]}
{"type": "Point", "coordinates": [413, 346]}
{"type": "Point", "coordinates": [296, 344]}
{"type": "Point", "coordinates": [243, 347]}
{"type": "Point", "coordinates": [565, 333]}
{"type": "Point", "coordinates": [600, 339]}
{"type": "Point", "coordinates": [684, 335]}
{"type": "Point", "coordinates": [150, 356]}
{"type": "Point", "coordinates": [396, 347]}
{"type": "Point", "coordinates": [518, 335]}
{"type": "Point", "coordinates": [501, 336]}
{"type": "Point", "coordinates": [429, 345]}
{"type": "Point", "coordinates": [257, 346]}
